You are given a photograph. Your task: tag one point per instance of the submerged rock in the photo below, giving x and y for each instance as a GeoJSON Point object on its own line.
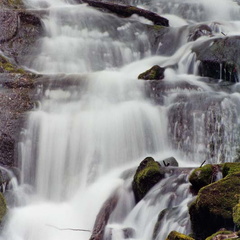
{"type": "Point", "coordinates": [147, 175]}
{"type": "Point", "coordinates": [213, 207]}
{"type": "Point", "coordinates": [178, 236]}
{"type": "Point", "coordinates": [154, 73]}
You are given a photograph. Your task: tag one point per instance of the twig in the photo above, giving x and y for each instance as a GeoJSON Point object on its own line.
{"type": "Point", "coordinates": [202, 163]}
{"type": "Point", "coordinates": [68, 229]}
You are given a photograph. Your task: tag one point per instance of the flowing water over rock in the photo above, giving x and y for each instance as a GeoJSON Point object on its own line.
{"type": "Point", "coordinates": [99, 121]}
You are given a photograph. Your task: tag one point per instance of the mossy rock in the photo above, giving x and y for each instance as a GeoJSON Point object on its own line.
{"type": "Point", "coordinates": [147, 175]}
{"type": "Point", "coordinates": [12, 4]}
{"type": "Point", "coordinates": [3, 207]}
{"type": "Point", "coordinates": [223, 235]}
{"type": "Point", "coordinates": [178, 236]}
{"type": "Point", "coordinates": [236, 215]}
{"type": "Point", "coordinates": [230, 168]}
{"type": "Point", "coordinates": [213, 207]}
{"type": "Point", "coordinates": [202, 176]}
{"type": "Point", "coordinates": [154, 73]}
{"type": "Point", "coordinates": [7, 67]}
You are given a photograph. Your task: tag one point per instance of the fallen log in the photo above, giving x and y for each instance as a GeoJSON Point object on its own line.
{"type": "Point", "coordinates": [127, 11]}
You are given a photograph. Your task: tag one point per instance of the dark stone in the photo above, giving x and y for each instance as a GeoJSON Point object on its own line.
{"type": "Point", "coordinates": [147, 175]}
{"type": "Point", "coordinates": [154, 73]}
{"type": "Point", "coordinates": [199, 31]}
{"type": "Point", "coordinates": [220, 58]}
{"type": "Point", "coordinates": [127, 11]}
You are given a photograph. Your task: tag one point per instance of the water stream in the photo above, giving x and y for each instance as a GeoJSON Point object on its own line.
{"type": "Point", "coordinates": [82, 137]}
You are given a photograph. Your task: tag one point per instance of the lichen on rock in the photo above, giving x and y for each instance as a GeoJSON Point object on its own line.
{"type": "Point", "coordinates": [154, 73]}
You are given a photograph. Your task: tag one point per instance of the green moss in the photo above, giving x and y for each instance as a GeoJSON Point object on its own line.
{"type": "Point", "coordinates": [213, 207]}
{"type": "Point", "coordinates": [7, 67]}
{"type": "Point", "coordinates": [218, 233]}
{"type": "Point", "coordinates": [202, 176]}
{"type": "Point", "coordinates": [147, 175]}
{"type": "Point", "coordinates": [236, 215]}
{"type": "Point", "coordinates": [3, 207]}
{"type": "Point", "coordinates": [230, 168]}
{"type": "Point", "coordinates": [177, 236]}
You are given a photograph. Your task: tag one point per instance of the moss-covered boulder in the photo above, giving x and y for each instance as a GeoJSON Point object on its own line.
{"type": "Point", "coordinates": [213, 207]}
{"type": "Point", "coordinates": [203, 176]}
{"type": "Point", "coordinates": [219, 58]}
{"type": "Point", "coordinates": [154, 73]}
{"type": "Point", "coordinates": [230, 168]}
{"type": "Point", "coordinates": [178, 236]}
{"type": "Point", "coordinates": [147, 175]}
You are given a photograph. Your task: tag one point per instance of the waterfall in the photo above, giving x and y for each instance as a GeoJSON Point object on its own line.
{"type": "Point", "coordinates": [84, 140]}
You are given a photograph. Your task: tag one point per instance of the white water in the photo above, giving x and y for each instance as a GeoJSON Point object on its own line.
{"type": "Point", "coordinates": [82, 137]}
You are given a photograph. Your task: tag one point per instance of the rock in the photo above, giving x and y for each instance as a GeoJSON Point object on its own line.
{"type": "Point", "coordinates": [7, 67]}
{"type": "Point", "coordinates": [230, 168]}
{"type": "Point", "coordinates": [3, 207]}
{"type": "Point", "coordinates": [154, 73]}
{"type": "Point", "coordinates": [199, 31]}
{"type": "Point", "coordinates": [203, 176]}
{"type": "Point", "coordinates": [127, 11]}
{"type": "Point", "coordinates": [178, 236]}
{"type": "Point", "coordinates": [12, 4]}
{"type": "Point", "coordinates": [220, 235]}
{"type": "Point", "coordinates": [220, 58]}
{"type": "Point", "coordinates": [103, 217]}
{"type": "Point", "coordinates": [147, 175]}
{"type": "Point", "coordinates": [213, 207]}
{"type": "Point", "coordinates": [19, 32]}
{"type": "Point", "coordinates": [169, 162]}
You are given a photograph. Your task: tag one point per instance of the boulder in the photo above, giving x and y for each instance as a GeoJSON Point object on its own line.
{"type": "Point", "coordinates": [213, 207]}
{"type": "Point", "coordinates": [219, 58]}
{"type": "Point", "coordinates": [147, 175]}
{"type": "Point", "coordinates": [230, 168]}
{"type": "Point", "coordinates": [203, 176]}
{"type": "Point", "coordinates": [154, 73]}
{"type": "Point", "coordinates": [169, 162]}
{"type": "Point", "coordinates": [19, 32]}
{"type": "Point", "coordinates": [178, 236]}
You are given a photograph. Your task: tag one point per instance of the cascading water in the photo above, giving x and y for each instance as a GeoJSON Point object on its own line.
{"type": "Point", "coordinates": [84, 136]}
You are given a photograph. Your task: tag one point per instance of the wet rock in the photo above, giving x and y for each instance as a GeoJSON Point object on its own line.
{"type": "Point", "coordinates": [220, 58]}
{"type": "Point", "coordinates": [178, 236]}
{"type": "Point", "coordinates": [223, 234]}
{"type": "Point", "coordinates": [213, 207]}
{"type": "Point", "coordinates": [127, 233]}
{"type": "Point", "coordinates": [127, 11]}
{"type": "Point", "coordinates": [154, 73]}
{"type": "Point", "coordinates": [12, 4]}
{"type": "Point", "coordinates": [19, 32]}
{"type": "Point", "coordinates": [169, 162]}
{"type": "Point", "coordinates": [199, 31]}
{"type": "Point", "coordinates": [103, 217]}
{"type": "Point", "coordinates": [147, 175]}
{"type": "Point", "coordinates": [203, 176]}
